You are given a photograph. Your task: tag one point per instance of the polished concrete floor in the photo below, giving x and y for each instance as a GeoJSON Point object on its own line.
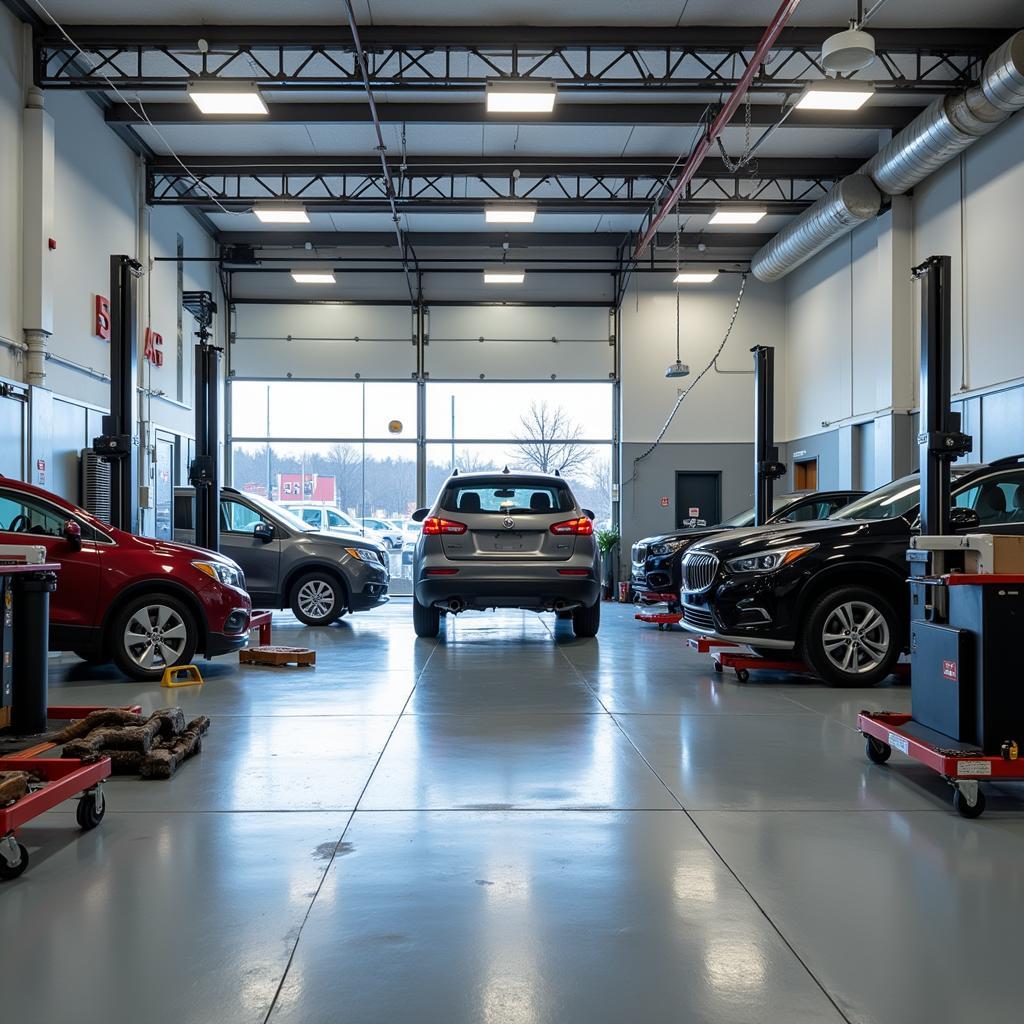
{"type": "Point", "coordinates": [510, 826]}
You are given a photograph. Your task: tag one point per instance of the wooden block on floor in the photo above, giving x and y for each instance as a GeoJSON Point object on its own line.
{"type": "Point", "coordinates": [275, 655]}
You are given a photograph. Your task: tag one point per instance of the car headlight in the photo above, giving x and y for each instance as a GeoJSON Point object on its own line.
{"type": "Point", "coordinates": [669, 547]}
{"type": "Point", "coordinates": [364, 555]}
{"type": "Point", "coordinates": [767, 561]}
{"type": "Point", "coordinates": [223, 573]}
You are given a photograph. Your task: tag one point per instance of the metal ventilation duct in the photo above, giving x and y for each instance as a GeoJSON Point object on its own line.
{"type": "Point", "coordinates": [849, 202]}
{"type": "Point", "coordinates": [943, 130]}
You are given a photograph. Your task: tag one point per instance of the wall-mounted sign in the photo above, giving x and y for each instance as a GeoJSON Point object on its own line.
{"type": "Point", "coordinates": [694, 510]}
{"type": "Point", "coordinates": [153, 348]}
{"type": "Point", "coordinates": [664, 502]}
{"type": "Point", "coordinates": [101, 318]}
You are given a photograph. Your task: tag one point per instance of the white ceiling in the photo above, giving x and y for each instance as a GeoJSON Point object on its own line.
{"type": "Point", "coordinates": [895, 14]}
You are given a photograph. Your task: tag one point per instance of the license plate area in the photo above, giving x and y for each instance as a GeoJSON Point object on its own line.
{"type": "Point", "coordinates": [507, 542]}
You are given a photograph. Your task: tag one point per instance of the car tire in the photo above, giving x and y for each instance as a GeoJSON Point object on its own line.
{"type": "Point", "coordinates": [852, 637]}
{"type": "Point", "coordinates": [426, 620]}
{"type": "Point", "coordinates": [317, 599]}
{"type": "Point", "coordinates": [169, 621]}
{"type": "Point", "coordinates": [586, 621]}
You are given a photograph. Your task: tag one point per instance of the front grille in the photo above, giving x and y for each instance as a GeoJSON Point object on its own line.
{"type": "Point", "coordinates": [698, 617]}
{"type": "Point", "coordinates": [699, 572]}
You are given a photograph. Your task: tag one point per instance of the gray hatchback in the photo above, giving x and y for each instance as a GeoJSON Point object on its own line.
{"type": "Point", "coordinates": [287, 563]}
{"type": "Point", "coordinates": [506, 540]}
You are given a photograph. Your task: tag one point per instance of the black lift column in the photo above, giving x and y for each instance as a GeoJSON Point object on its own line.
{"type": "Point", "coordinates": [767, 468]}
{"type": "Point", "coordinates": [204, 473]}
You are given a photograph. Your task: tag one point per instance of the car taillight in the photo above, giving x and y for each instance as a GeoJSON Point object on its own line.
{"type": "Point", "coordinates": [582, 527]}
{"type": "Point", "coordinates": [435, 526]}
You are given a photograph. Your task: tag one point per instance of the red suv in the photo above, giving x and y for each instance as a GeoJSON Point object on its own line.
{"type": "Point", "coordinates": [146, 603]}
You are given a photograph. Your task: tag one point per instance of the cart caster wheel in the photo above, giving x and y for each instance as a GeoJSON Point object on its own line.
{"type": "Point", "coordinates": [661, 627]}
{"type": "Point", "coordinates": [718, 666]}
{"type": "Point", "coordinates": [91, 808]}
{"type": "Point", "coordinates": [877, 751]}
{"type": "Point", "coordinates": [8, 871]}
{"type": "Point", "coordinates": [964, 809]}
{"type": "Point", "coordinates": [742, 675]}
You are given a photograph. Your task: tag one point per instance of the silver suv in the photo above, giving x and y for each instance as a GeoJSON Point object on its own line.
{"type": "Point", "coordinates": [287, 563]}
{"type": "Point", "coordinates": [506, 540]}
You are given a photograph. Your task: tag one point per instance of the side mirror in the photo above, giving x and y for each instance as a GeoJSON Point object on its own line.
{"type": "Point", "coordinates": [263, 532]}
{"type": "Point", "coordinates": [73, 535]}
{"type": "Point", "coordinates": [589, 513]}
{"type": "Point", "coordinates": [419, 515]}
{"type": "Point", "coordinates": [964, 519]}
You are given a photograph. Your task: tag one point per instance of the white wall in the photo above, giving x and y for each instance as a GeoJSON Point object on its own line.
{"type": "Point", "coordinates": [720, 408]}
{"type": "Point", "coordinates": [11, 102]}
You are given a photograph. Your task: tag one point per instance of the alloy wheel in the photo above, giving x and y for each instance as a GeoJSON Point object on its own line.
{"type": "Point", "coordinates": [315, 598]}
{"type": "Point", "coordinates": [856, 637]}
{"type": "Point", "coordinates": [155, 636]}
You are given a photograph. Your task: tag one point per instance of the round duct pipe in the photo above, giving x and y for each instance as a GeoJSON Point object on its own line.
{"type": "Point", "coordinates": [943, 130]}
{"type": "Point", "coordinates": [849, 202]}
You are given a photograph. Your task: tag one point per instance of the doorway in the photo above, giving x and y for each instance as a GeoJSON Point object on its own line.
{"type": "Point", "coordinates": [806, 475]}
{"type": "Point", "coordinates": [698, 498]}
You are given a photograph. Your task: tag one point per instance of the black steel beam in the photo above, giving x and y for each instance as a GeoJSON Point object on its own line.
{"type": "Point", "coordinates": [482, 239]}
{"type": "Point", "coordinates": [801, 168]}
{"type": "Point", "coordinates": [870, 116]}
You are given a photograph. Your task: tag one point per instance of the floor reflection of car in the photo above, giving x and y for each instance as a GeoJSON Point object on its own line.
{"type": "Point", "coordinates": [389, 532]}
{"type": "Point", "coordinates": [146, 603]}
{"type": "Point", "coordinates": [506, 540]}
{"type": "Point", "coordinates": [656, 560]}
{"type": "Point", "coordinates": [290, 564]}
{"type": "Point", "coordinates": [836, 591]}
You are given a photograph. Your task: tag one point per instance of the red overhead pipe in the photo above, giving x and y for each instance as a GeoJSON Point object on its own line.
{"type": "Point", "coordinates": [771, 33]}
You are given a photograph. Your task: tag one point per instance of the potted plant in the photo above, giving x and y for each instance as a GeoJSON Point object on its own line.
{"type": "Point", "coordinates": [607, 543]}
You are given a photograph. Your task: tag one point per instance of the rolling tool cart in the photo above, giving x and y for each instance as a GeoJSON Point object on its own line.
{"type": "Point", "coordinates": [664, 620]}
{"type": "Point", "coordinates": [967, 703]}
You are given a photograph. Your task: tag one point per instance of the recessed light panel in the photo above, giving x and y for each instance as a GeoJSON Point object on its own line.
{"type": "Point", "coordinates": [510, 214]}
{"type": "Point", "coordinates": [313, 276]}
{"type": "Point", "coordinates": [504, 276]}
{"type": "Point", "coordinates": [281, 214]}
{"type": "Point", "coordinates": [737, 214]}
{"type": "Point", "coordinates": [220, 97]}
{"type": "Point", "coordinates": [521, 97]}
{"type": "Point", "coordinates": [695, 277]}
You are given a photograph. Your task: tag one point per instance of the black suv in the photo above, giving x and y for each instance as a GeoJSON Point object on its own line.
{"type": "Point", "coordinates": [657, 561]}
{"type": "Point", "coordinates": [835, 592]}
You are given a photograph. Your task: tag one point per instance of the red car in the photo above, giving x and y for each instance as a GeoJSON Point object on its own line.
{"type": "Point", "coordinates": [146, 603]}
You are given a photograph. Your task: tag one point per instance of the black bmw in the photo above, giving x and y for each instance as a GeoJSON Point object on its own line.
{"type": "Point", "coordinates": [657, 560]}
{"type": "Point", "coordinates": [835, 593]}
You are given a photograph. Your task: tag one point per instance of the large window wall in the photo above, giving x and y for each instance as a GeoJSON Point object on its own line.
{"type": "Point", "coordinates": [354, 445]}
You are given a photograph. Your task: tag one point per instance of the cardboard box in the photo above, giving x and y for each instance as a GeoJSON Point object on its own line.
{"type": "Point", "coordinates": [998, 554]}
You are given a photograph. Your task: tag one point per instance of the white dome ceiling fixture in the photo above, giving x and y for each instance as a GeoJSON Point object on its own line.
{"type": "Point", "coordinates": [847, 51]}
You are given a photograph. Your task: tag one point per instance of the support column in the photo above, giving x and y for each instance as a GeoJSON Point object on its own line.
{"type": "Point", "coordinates": [36, 256]}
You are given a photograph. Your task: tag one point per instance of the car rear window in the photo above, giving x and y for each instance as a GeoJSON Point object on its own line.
{"type": "Point", "coordinates": [506, 496]}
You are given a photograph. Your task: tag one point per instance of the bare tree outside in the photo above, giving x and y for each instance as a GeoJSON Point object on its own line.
{"type": "Point", "coordinates": [550, 440]}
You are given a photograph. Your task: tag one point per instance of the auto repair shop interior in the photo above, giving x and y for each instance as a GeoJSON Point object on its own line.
{"type": "Point", "coordinates": [511, 512]}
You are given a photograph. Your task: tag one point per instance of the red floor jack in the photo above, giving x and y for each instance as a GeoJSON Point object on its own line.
{"type": "Point", "coordinates": [664, 620]}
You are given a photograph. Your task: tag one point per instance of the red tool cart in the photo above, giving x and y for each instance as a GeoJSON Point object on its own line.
{"type": "Point", "coordinates": [663, 619]}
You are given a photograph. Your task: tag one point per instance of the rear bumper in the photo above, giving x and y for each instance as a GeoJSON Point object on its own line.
{"type": "Point", "coordinates": [542, 588]}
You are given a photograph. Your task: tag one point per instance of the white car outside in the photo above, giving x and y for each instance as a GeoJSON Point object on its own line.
{"type": "Point", "coordinates": [391, 533]}
{"type": "Point", "coordinates": [328, 519]}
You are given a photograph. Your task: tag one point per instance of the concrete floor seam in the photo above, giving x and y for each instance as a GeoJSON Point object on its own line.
{"type": "Point", "coordinates": [707, 839]}
{"type": "Point", "coordinates": [341, 839]}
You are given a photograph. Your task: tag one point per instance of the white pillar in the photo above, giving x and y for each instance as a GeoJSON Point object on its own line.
{"type": "Point", "coordinates": [37, 230]}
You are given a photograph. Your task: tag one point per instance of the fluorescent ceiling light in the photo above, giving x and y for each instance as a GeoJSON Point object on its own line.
{"type": "Point", "coordinates": [222, 97]}
{"type": "Point", "coordinates": [695, 277]}
{"type": "Point", "coordinates": [313, 276]}
{"type": "Point", "coordinates": [521, 96]}
{"type": "Point", "coordinates": [504, 276]}
{"type": "Point", "coordinates": [835, 94]}
{"type": "Point", "coordinates": [281, 214]}
{"type": "Point", "coordinates": [510, 214]}
{"type": "Point", "coordinates": [737, 214]}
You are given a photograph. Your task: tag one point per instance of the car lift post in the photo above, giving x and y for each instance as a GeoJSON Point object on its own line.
{"type": "Point", "coordinates": [204, 473]}
{"type": "Point", "coordinates": [941, 441]}
{"type": "Point", "coordinates": [119, 443]}
{"type": "Point", "coordinates": [767, 467]}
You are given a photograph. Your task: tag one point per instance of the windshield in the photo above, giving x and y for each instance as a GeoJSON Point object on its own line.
{"type": "Point", "coordinates": [899, 498]}
{"type": "Point", "coordinates": [274, 511]}
{"type": "Point", "coordinates": [747, 518]}
{"type": "Point", "coordinates": [507, 495]}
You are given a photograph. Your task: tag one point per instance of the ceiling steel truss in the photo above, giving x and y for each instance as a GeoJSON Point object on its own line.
{"type": "Point", "coordinates": [677, 61]}
{"type": "Point", "coordinates": [415, 191]}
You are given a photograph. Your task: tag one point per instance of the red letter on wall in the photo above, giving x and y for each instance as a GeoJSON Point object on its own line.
{"type": "Point", "coordinates": [102, 318]}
